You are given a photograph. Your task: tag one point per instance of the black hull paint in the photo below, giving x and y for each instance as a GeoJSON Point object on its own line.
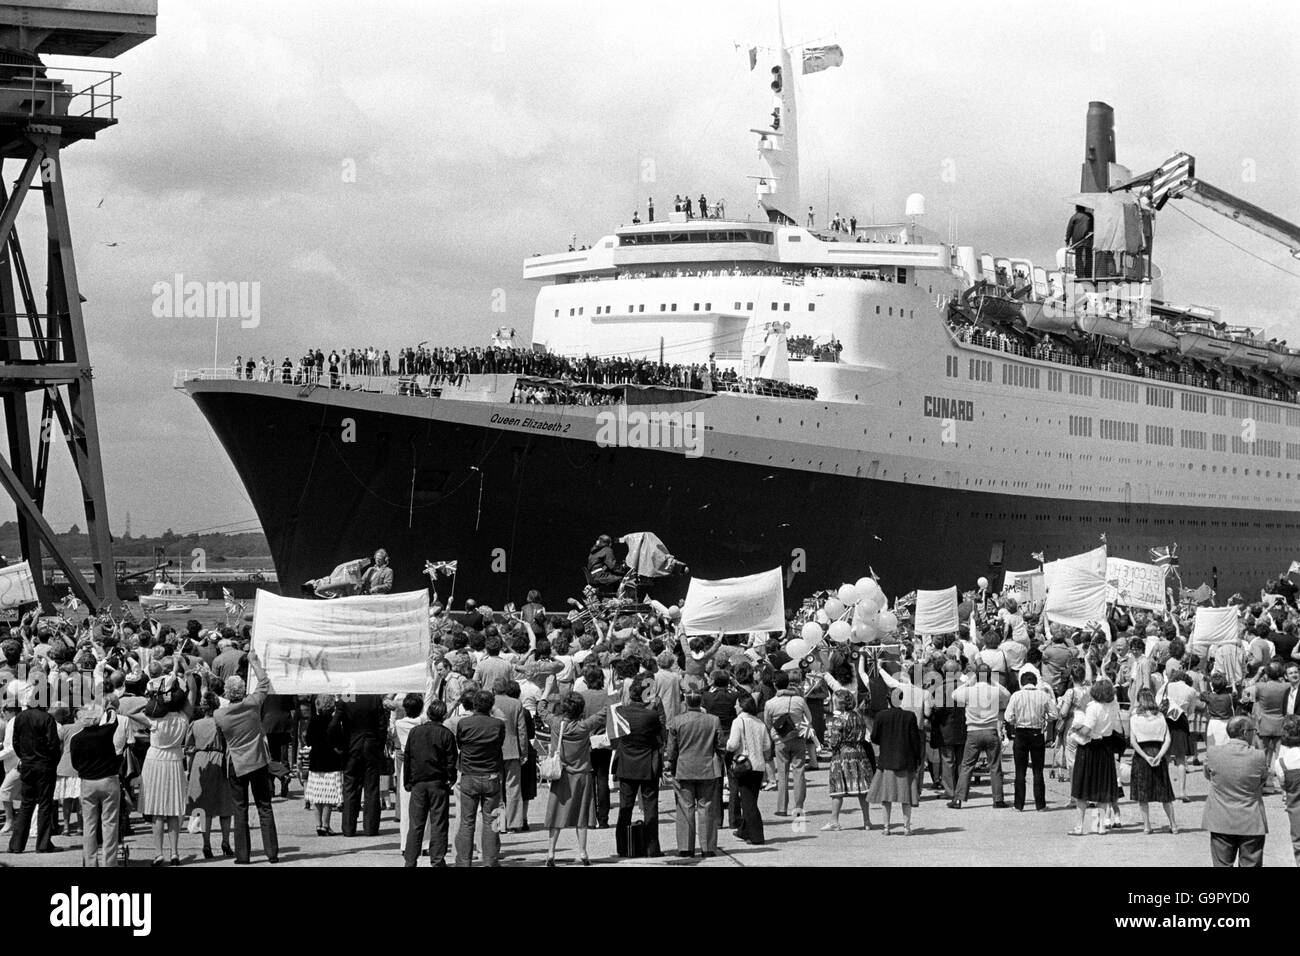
{"type": "Point", "coordinates": [526, 518]}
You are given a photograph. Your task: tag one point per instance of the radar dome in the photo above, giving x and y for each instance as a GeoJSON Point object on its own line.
{"type": "Point", "coordinates": [915, 205]}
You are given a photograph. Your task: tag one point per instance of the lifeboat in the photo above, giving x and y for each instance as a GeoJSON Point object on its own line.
{"type": "Point", "coordinates": [1290, 363]}
{"type": "Point", "coordinates": [1057, 320]}
{"type": "Point", "coordinates": [1105, 325]}
{"type": "Point", "coordinates": [1248, 353]}
{"type": "Point", "coordinates": [1202, 345]}
{"type": "Point", "coordinates": [1152, 338]}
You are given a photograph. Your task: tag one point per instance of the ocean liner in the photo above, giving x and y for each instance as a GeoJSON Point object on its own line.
{"type": "Point", "coordinates": [874, 398]}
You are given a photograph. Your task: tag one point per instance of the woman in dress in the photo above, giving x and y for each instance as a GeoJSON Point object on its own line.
{"type": "Point", "coordinates": [67, 785]}
{"type": "Point", "coordinates": [1179, 699]}
{"type": "Point", "coordinates": [325, 763]}
{"type": "Point", "coordinates": [1093, 779]}
{"type": "Point", "coordinates": [1071, 707]}
{"type": "Point", "coordinates": [902, 752]}
{"type": "Point", "coordinates": [751, 747]}
{"type": "Point", "coordinates": [572, 802]}
{"type": "Point", "coordinates": [1286, 767]}
{"type": "Point", "coordinates": [1149, 778]}
{"type": "Point", "coordinates": [210, 790]}
{"type": "Point", "coordinates": [1218, 710]}
{"type": "Point", "coordinates": [164, 791]}
{"type": "Point", "coordinates": [853, 762]}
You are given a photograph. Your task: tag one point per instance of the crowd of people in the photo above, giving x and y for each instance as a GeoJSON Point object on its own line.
{"type": "Point", "coordinates": [109, 719]}
{"type": "Point", "coordinates": [1098, 352]}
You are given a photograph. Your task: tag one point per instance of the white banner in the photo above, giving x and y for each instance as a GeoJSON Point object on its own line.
{"type": "Point", "coordinates": [1076, 588]}
{"type": "Point", "coordinates": [755, 602]}
{"type": "Point", "coordinates": [1215, 625]}
{"type": "Point", "coordinates": [1029, 588]}
{"type": "Point", "coordinates": [369, 644]}
{"type": "Point", "coordinates": [17, 586]}
{"type": "Point", "coordinates": [1135, 584]}
{"type": "Point", "coordinates": [936, 611]}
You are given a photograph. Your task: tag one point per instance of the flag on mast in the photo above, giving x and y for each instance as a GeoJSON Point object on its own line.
{"type": "Point", "coordinates": [753, 57]}
{"type": "Point", "coordinates": [818, 58]}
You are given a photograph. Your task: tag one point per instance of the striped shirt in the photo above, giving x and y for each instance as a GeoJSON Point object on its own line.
{"type": "Point", "coordinates": [1031, 709]}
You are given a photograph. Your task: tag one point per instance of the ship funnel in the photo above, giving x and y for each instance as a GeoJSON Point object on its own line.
{"type": "Point", "coordinates": [1099, 150]}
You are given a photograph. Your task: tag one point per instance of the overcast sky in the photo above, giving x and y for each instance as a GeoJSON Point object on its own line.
{"type": "Point", "coordinates": [483, 132]}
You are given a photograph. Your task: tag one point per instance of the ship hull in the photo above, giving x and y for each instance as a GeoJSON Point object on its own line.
{"type": "Point", "coordinates": [519, 511]}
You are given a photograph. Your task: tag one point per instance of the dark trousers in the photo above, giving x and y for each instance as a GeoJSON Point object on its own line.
{"type": "Point", "coordinates": [278, 744]}
{"type": "Point", "coordinates": [750, 825]}
{"type": "Point", "coordinates": [600, 763]}
{"type": "Point", "coordinates": [817, 715]}
{"type": "Point", "coordinates": [431, 803]}
{"type": "Point", "coordinates": [361, 786]}
{"type": "Point", "coordinates": [1029, 748]}
{"type": "Point", "coordinates": [628, 790]}
{"type": "Point", "coordinates": [259, 782]}
{"type": "Point", "coordinates": [950, 756]}
{"type": "Point", "coordinates": [1228, 848]}
{"type": "Point", "coordinates": [38, 796]}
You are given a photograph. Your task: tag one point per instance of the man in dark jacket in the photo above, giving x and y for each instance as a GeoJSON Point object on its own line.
{"type": "Point", "coordinates": [479, 739]}
{"type": "Point", "coordinates": [602, 567]}
{"type": "Point", "coordinates": [365, 721]}
{"type": "Point", "coordinates": [430, 762]}
{"type": "Point", "coordinates": [639, 766]}
{"type": "Point", "coordinates": [36, 744]}
{"type": "Point", "coordinates": [1078, 239]}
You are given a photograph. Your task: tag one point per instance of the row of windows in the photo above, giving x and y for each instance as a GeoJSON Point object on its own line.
{"type": "Point", "coordinates": [1020, 375]}
{"type": "Point", "coordinates": [1119, 391]}
{"type": "Point", "coordinates": [712, 235]}
{"type": "Point", "coordinates": [1193, 439]}
{"type": "Point", "coordinates": [1193, 402]}
{"type": "Point", "coordinates": [1053, 381]}
{"type": "Point", "coordinates": [1160, 435]}
{"type": "Point", "coordinates": [1081, 425]}
{"type": "Point", "coordinates": [981, 370]}
{"type": "Point", "coordinates": [1118, 431]}
{"type": "Point", "coordinates": [1293, 451]}
{"type": "Point", "coordinates": [1261, 446]}
{"type": "Point", "coordinates": [951, 366]}
{"type": "Point", "coordinates": [1160, 397]}
{"type": "Point", "coordinates": [1081, 385]}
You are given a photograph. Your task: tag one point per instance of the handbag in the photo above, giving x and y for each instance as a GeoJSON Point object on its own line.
{"type": "Point", "coordinates": [551, 766]}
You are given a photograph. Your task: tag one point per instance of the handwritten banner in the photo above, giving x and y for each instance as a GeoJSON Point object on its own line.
{"type": "Point", "coordinates": [1135, 584]}
{"type": "Point", "coordinates": [371, 644]}
{"type": "Point", "coordinates": [1029, 588]}
{"type": "Point", "coordinates": [17, 586]}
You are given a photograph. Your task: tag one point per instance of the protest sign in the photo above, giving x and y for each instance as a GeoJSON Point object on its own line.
{"type": "Point", "coordinates": [17, 586]}
{"type": "Point", "coordinates": [1135, 584]}
{"type": "Point", "coordinates": [369, 644]}
{"type": "Point", "coordinates": [1076, 588]}
{"type": "Point", "coordinates": [1215, 625]}
{"type": "Point", "coordinates": [936, 611]}
{"type": "Point", "coordinates": [755, 602]}
{"type": "Point", "coordinates": [1029, 588]}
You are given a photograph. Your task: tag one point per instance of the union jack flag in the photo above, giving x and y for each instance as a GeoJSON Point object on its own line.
{"type": "Point", "coordinates": [1165, 556]}
{"type": "Point", "coordinates": [616, 723]}
{"type": "Point", "coordinates": [439, 567]}
{"type": "Point", "coordinates": [1038, 556]}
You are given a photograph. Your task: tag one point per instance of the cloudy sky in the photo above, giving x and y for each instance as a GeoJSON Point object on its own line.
{"type": "Point", "coordinates": [483, 132]}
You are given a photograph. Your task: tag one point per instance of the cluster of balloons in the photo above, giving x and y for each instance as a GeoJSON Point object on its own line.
{"type": "Point", "coordinates": [856, 613]}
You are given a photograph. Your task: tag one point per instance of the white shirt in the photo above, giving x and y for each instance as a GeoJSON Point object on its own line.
{"type": "Point", "coordinates": [1100, 719]}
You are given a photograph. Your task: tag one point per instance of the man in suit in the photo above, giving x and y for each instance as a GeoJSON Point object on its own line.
{"type": "Point", "coordinates": [240, 723]}
{"type": "Point", "coordinates": [514, 749]}
{"type": "Point", "coordinates": [365, 721]}
{"type": "Point", "coordinates": [378, 578]}
{"type": "Point", "coordinates": [639, 765]}
{"type": "Point", "coordinates": [694, 762]}
{"type": "Point", "coordinates": [1234, 809]}
{"type": "Point", "coordinates": [1293, 692]}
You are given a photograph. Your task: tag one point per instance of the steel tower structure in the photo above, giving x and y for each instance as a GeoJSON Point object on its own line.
{"type": "Point", "coordinates": [43, 345]}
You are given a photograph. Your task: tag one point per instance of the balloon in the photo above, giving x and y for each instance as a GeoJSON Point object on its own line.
{"type": "Point", "coordinates": [862, 612]}
{"type": "Point", "coordinates": [834, 607]}
{"type": "Point", "coordinates": [812, 632]}
{"type": "Point", "coordinates": [797, 647]}
{"type": "Point", "coordinates": [840, 631]}
{"type": "Point", "coordinates": [982, 583]}
{"type": "Point", "coordinates": [822, 617]}
{"type": "Point", "coordinates": [887, 622]}
{"type": "Point", "coordinates": [791, 665]}
{"type": "Point", "coordinates": [876, 602]}
{"type": "Point", "coordinates": [674, 613]}
{"type": "Point", "coordinates": [848, 594]}
{"type": "Point", "coordinates": [867, 587]}
{"type": "Point", "coordinates": [864, 632]}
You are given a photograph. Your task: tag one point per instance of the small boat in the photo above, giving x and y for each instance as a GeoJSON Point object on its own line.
{"type": "Point", "coordinates": [169, 592]}
{"type": "Point", "coordinates": [1055, 319]}
{"type": "Point", "coordinates": [178, 608]}
{"type": "Point", "coordinates": [1152, 338]}
{"type": "Point", "coordinates": [1290, 364]}
{"type": "Point", "coordinates": [1202, 345]}
{"type": "Point", "coordinates": [1111, 328]}
{"type": "Point", "coordinates": [1247, 353]}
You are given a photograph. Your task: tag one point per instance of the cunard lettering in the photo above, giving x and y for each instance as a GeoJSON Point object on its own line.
{"type": "Point", "coordinates": [937, 406]}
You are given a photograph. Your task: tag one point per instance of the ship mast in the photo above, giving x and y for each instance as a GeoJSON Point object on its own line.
{"type": "Point", "coordinates": [778, 144]}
